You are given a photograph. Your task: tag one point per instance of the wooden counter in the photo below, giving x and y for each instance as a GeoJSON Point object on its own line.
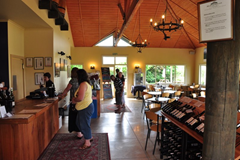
{"type": "Point", "coordinates": [26, 138]}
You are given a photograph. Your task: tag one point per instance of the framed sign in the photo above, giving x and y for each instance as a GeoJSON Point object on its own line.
{"type": "Point", "coordinates": [38, 63]}
{"type": "Point", "coordinates": [29, 62]}
{"type": "Point", "coordinates": [215, 20]}
{"type": "Point", "coordinates": [57, 69]}
{"type": "Point", "coordinates": [106, 74]}
{"type": "Point", "coordinates": [39, 79]}
{"type": "Point", "coordinates": [48, 61]}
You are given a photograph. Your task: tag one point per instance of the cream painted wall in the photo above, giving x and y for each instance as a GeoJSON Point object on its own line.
{"type": "Point", "coordinates": [37, 43]}
{"type": "Point", "coordinates": [198, 61]}
{"type": "Point", "coordinates": [15, 43]}
{"type": "Point", "coordinates": [93, 55]}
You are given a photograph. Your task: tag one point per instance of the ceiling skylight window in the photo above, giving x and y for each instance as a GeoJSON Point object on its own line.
{"type": "Point", "coordinates": [108, 42]}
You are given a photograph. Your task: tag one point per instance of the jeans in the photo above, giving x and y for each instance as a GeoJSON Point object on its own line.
{"type": "Point", "coordinates": [83, 121]}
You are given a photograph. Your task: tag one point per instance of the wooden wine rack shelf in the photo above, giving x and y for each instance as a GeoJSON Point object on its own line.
{"type": "Point", "coordinates": [194, 134]}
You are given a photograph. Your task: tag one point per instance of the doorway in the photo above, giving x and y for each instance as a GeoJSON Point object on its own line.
{"type": "Point", "coordinates": [114, 62]}
{"type": "Point", "coordinates": [17, 77]}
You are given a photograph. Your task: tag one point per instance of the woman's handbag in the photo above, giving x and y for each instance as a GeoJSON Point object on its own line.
{"type": "Point", "coordinates": [72, 119]}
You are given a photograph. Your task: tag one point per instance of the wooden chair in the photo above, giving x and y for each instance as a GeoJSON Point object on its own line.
{"type": "Point", "coordinates": [154, 107]}
{"type": "Point", "coordinates": [165, 95]}
{"type": "Point", "coordinates": [156, 127]}
{"type": "Point", "coordinates": [145, 103]}
{"type": "Point", "coordinates": [146, 90]}
{"type": "Point", "coordinates": [158, 89]}
{"type": "Point", "coordinates": [196, 86]}
{"type": "Point", "coordinates": [151, 88]}
{"type": "Point", "coordinates": [171, 100]}
{"type": "Point", "coordinates": [178, 93]}
{"type": "Point", "coordinates": [171, 86]}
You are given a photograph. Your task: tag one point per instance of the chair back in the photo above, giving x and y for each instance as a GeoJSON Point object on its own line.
{"type": "Point", "coordinates": [165, 95]}
{"type": "Point", "coordinates": [147, 96]}
{"type": "Point", "coordinates": [151, 88]}
{"type": "Point", "coordinates": [171, 100]}
{"type": "Point", "coordinates": [178, 93]}
{"type": "Point", "coordinates": [171, 86]}
{"type": "Point", "coordinates": [146, 90]}
{"type": "Point", "coordinates": [158, 89]}
{"type": "Point", "coordinates": [154, 107]}
{"type": "Point", "coordinates": [196, 86]}
{"type": "Point", "coordinates": [152, 116]}
{"type": "Point", "coordinates": [143, 93]}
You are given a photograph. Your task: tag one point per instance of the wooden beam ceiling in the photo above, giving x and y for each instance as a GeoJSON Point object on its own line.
{"type": "Point", "coordinates": [129, 15]}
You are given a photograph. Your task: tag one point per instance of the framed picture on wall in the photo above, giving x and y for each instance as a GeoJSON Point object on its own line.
{"type": "Point", "coordinates": [68, 71]}
{"type": "Point", "coordinates": [48, 61]}
{"type": "Point", "coordinates": [29, 62]}
{"type": "Point", "coordinates": [38, 63]}
{"type": "Point", "coordinates": [39, 79]}
{"type": "Point", "coordinates": [57, 69]}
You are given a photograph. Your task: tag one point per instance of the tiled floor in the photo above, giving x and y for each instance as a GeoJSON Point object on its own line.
{"type": "Point", "coordinates": [127, 132]}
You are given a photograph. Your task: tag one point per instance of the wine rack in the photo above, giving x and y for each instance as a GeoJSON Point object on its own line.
{"type": "Point", "coordinates": [182, 136]}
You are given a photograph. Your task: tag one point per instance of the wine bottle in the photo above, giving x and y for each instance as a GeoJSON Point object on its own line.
{"type": "Point", "coordinates": [238, 125]}
{"type": "Point", "coordinates": [192, 120]}
{"type": "Point", "coordinates": [11, 97]}
{"type": "Point", "coordinates": [182, 111]}
{"type": "Point", "coordinates": [188, 113]}
{"type": "Point", "coordinates": [177, 110]}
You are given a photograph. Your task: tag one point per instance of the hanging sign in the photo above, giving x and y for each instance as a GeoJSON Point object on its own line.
{"type": "Point", "coordinates": [215, 20]}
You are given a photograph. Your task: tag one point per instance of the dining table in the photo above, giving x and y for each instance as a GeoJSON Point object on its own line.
{"type": "Point", "coordinates": [158, 100]}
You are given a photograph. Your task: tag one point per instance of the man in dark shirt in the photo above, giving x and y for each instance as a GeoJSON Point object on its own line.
{"type": "Point", "coordinates": [119, 91]}
{"type": "Point", "coordinates": [48, 81]}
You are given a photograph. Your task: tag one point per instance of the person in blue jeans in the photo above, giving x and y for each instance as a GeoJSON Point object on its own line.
{"type": "Point", "coordinates": [85, 107]}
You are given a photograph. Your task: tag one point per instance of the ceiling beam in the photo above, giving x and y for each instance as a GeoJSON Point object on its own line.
{"type": "Point", "coordinates": [121, 10]}
{"type": "Point", "coordinates": [183, 29]}
{"type": "Point", "coordinates": [129, 15]}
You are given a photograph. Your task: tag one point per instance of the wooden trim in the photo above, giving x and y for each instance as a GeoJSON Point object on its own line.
{"type": "Point", "coordinates": [129, 15]}
{"type": "Point", "coordinates": [24, 81]}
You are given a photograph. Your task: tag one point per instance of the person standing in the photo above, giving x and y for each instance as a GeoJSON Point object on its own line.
{"type": "Point", "coordinates": [72, 87]}
{"type": "Point", "coordinates": [83, 100]}
{"type": "Point", "coordinates": [118, 91]}
{"type": "Point", "coordinates": [49, 83]}
{"type": "Point", "coordinates": [120, 75]}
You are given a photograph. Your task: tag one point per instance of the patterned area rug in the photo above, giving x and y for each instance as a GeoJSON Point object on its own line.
{"type": "Point", "coordinates": [65, 146]}
{"type": "Point", "coordinates": [108, 108]}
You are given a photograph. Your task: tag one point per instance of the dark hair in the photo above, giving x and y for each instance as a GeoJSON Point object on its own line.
{"type": "Point", "coordinates": [117, 70]}
{"type": "Point", "coordinates": [47, 75]}
{"type": "Point", "coordinates": [74, 72]}
{"type": "Point", "coordinates": [82, 76]}
{"type": "Point", "coordinates": [112, 76]}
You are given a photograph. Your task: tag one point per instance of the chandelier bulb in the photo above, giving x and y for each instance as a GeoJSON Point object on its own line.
{"type": "Point", "coordinates": [145, 40]}
{"type": "Point", "coordinates": [163, 16]}
{"type": "Point", "coordinates": [151, 20]}
{"type": "Point", "coordinates": [130, 41]}
{"type": "Point", "coordinates": [155, 24]}
{"type": "Point", "coordinates": [182, 21]}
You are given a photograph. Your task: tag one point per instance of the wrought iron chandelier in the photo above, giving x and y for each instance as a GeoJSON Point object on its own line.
{"type": "Point", "coordinates": [164, 26]}
{"type": "Point", "coordinates": [139, 42]}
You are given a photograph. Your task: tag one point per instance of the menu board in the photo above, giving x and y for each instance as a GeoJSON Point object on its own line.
{"type": "Point", "coordinates": [107, 91]}
{"type": "Point", "coordinates": [105, 74]}
{"type": "Point", "coordinates": [215, 20]}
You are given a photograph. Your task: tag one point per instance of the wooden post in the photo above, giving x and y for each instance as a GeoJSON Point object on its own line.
{"type": "Point", "coordinates": [222, 96]}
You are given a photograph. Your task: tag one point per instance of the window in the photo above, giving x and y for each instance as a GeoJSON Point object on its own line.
{"type": "Point", "coordinates": [79, 66]}
{"type": "Point", "coordinates": [202, 74]}
{"type": "Point", "coordinates": [165, 73]}
{"type": "Point", "coordinates": [108, 42]}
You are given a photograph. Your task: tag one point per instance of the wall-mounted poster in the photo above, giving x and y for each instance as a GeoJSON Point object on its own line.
{"type": "Point", "coordinates": [38, 63]}
{"type": "Point", "coordinates": [107, 91]}
{"type": "Point", "coordinates": [105, 74]}
{"type": "Point", "coordinates": [215, 20]}
{"type": "Point", "coordinates": [48, 61]}
{"type": "Point", "coordinates": [39, 79]}
{"type": "Point", "coordinates": [29, 62]}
